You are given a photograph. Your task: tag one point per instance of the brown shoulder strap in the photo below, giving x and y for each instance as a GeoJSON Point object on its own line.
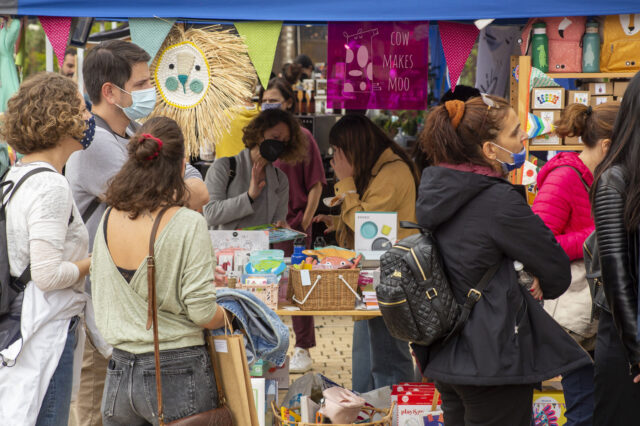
{"type": "Point", "coordinates": [152, 314]}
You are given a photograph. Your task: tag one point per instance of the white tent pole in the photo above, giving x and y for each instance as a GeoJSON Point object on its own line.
{"type": "Point", "coordinates": [79, 62]}
{"type": "Point", "coordinates": [49, 55]}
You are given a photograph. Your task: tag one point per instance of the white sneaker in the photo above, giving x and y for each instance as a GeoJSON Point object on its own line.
{"type": "Point", "coordinates": [301, 361]}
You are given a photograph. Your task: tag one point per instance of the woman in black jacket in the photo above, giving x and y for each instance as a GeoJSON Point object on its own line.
{"type": "Point", "coordinates": [487, 372]}
{"type": "Point", "coordinates": [616, 210]}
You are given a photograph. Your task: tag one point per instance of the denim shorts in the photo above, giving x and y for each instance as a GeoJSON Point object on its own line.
{"type": "Point", "coordinates": [129, 397]}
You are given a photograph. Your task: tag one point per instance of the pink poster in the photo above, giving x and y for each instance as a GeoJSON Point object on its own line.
{"type": "Point", "coordinates": [378, 65]}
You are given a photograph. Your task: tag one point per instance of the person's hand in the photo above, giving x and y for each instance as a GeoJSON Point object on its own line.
{"type": "Point", "coordinates": [219, 276]}
{"type": "Point", "coordinates": [341, 166]}
{"type": "Point", "coordinates": [282, 224]}
{"type": "Point", "coordinates": [306, 223]}
{"type": "Point", "coordinates": [258, 179]}
{"type": "Point", "coordinates": [535, 289]}
{"type": "Point", "coordinates": [327, 220]}
{"type": "Point", "coordinates": [637, 378]}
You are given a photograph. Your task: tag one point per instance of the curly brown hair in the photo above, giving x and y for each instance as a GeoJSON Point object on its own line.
{"type": "Point", "coordinates": [152, 176]}
{"type": "Point", "coordinates": [46, 108]}
{"type": "Point", "coordinates": [295, 149]}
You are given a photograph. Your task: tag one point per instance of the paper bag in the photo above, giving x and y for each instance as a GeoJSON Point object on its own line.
{"type": "Point", "coordinates": [236, 381]}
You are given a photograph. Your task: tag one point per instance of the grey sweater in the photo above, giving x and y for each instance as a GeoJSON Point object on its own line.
{"type": "Point", "coordinates": [232, 209]}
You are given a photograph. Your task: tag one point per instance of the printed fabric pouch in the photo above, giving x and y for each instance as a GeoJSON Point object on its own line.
{"type": "Point", "coordinates": [340, 405]}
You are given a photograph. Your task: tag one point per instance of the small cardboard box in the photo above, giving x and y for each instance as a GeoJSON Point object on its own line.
{"type": "Point", "coordinates": [547, 98]}
{"type": "Point", "coordinates": [598, 89]}
{"type": "Point", "coordinates": [597, 100]}
{"type": "Point", "coordinates": [578, 97]}
{"type": "Point", "coordinates": [549, 407]}
{"type": "Point", "coordinates": [619, 87]}
{"type": "Point", "coordinates": [572, 140]}
{"type": "Point", "coordinates": [375, 232]}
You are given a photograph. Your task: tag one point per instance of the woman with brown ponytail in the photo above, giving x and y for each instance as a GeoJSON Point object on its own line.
{"type": "Point", "coordinates": [563, 204]}
{"type": "Point", "coordinates": [486, 372]}
{"type": "Point", "coordinates": [150, 184]}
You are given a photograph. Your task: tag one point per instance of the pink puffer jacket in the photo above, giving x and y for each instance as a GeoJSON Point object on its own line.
{"type": "Point", "coordinates": [563, 202]}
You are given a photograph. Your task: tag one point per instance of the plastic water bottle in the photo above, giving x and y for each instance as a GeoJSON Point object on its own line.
{"type": "Point", "coordinates": [591, 48]}
{"type": "Point", "coordinates": [298, 257]}
{"type": "Point", "coordinates": [525, 279]}
{"type": "Point", "coordinates": [540, 47]}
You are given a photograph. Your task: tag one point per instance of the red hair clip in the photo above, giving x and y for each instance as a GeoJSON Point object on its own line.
{"type": "Point", "coordinates": [146, 136]}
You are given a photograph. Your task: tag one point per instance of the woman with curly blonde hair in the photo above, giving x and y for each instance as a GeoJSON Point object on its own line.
{"type": "Point", "coordinates": [247, 190]}
{"type": "Point", "coordinates": [47, 246]}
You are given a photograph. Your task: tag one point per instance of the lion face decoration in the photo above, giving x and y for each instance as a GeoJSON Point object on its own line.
{"type": "Point", "coordinates": [182, 75]}
{"type": "Point", "coordinates": [200, 74]}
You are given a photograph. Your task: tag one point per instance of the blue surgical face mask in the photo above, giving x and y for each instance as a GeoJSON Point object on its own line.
{"type": "Point", "coordinates": [266, 106]}
{"type": "Point", "coordinates": [89, 133]}
{"type": "Point", "coordinates": [518, 159]}
{"type": "Point", "coordinates": [142, 103]}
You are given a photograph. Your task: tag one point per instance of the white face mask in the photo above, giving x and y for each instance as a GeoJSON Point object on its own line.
{"type": "Point", "coordinates": [142, 103]}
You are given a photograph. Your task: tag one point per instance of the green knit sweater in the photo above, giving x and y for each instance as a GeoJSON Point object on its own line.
{"type": "Point", "coordinates": [184, 286]}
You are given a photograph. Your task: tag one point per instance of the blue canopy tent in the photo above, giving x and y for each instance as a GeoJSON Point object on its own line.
{"type": "Point", "coordinates": [321, 11]}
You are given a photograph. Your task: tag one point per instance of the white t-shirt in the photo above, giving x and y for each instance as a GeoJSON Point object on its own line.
{"type": "Point", "coordinates": [40, 210]}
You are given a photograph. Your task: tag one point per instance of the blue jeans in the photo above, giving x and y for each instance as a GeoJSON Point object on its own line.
{"type": "Point", "coordinates": [378, 359]}
{"type": "Point", "coordinates": [578, 395]}
{"type": "Point", "coordinates": [129, 397]}
{"type": "Point", "coordinates": [54, 410]}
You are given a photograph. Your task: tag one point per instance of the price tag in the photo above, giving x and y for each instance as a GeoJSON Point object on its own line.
{"type": "Point", "coordinates": [305, 277]}
{"type": "Point", "coordinates": [221, 346]}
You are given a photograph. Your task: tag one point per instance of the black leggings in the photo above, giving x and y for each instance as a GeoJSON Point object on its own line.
{"type": "Point", "coordinates": [465, 405]}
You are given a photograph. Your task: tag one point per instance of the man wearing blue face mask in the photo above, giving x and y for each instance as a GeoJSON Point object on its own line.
{"type": "Point", "coordinates": [118, 82]}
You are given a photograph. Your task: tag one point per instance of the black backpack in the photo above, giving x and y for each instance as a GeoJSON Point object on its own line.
{"type": "Point", "coordinates": [10, 286]}
{"type": "Point", "coordinates": [414, 294]}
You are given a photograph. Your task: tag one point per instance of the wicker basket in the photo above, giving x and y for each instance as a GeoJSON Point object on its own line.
{"type": "Point", "coordinates": [268, 293]}
{"type": "Point", "coordinates": [385, 421]}
{"type": "Point", "coordinates": [330, 289]}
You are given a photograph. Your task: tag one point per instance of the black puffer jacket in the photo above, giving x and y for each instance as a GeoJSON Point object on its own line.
{"type": "Point", "coordinates": [618, 257]}
{"type": "Point", "coordinates": [480, 221]}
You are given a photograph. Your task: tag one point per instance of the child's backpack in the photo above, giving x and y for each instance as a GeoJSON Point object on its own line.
{"type": "Point", "coordinates": [621, 43]}
{"type": "Point", "coordinates": [565, 41]}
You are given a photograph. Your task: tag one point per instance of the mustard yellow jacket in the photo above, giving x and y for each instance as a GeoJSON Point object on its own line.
{"type": "Point", "coordinates": [391, 189]}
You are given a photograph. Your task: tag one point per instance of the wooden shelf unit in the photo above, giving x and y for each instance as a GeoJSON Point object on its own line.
{"type": "Point", "coordinates": [555, 147]}
{"type": "Point", "coordinates": [587, 75]}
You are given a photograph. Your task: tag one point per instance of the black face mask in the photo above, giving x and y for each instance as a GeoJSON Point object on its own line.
{"type": "Point", "coordinates": [271, 149]}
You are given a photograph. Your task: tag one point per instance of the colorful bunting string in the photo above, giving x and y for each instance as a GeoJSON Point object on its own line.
{"type": "Point", "coordinates": [57, 30]}
{"type": "Point", "coordinates": [457, 42]}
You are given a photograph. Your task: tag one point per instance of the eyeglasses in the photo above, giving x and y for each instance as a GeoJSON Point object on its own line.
{"type": "Point", "coordinates": [490, 104]}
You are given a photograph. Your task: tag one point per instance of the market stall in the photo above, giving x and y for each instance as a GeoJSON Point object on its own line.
{"type": "Point", "coordinates": [291, 286]}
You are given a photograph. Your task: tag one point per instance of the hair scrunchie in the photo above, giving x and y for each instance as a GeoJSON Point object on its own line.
{"type": "Point", "coordinates": [589, 111]}
{"type": "Point", "coordinates": [455, 108]}
{"type": "Point", "coordinates": [146, 136]}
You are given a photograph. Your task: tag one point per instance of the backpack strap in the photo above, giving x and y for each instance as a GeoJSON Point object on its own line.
{"type": "Point", "coordinates": [473, 296]}
{"type": "Point", "coordinates": [233, 165]}
{"type": "Point", "coordinates": [21, 282]}
{"type": "Point", "coordinates": [587, 187]}
{"type": "Point", "coordinates": [93, 205]}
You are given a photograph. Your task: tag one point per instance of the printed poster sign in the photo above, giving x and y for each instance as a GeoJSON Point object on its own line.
{"type": "Point", "coordinates": [378, 65]}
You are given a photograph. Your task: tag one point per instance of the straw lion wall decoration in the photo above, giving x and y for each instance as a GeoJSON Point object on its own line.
{"type": "Point", "coordinates": [198, 74]}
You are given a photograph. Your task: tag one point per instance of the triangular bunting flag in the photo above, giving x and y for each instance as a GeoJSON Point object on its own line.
{"type": "Point", "coordinates": [540, 79]}
{"type": "Point", "coordinates": [529, 173]}
{"type": "Point", "coordinates": [149, 33]}
{"type": "Point", "coordinates": [57, 30]}
{"type": "Point", "coordinates": [457, 42]}
{"type": "Point", "coordinates": [261, 38]}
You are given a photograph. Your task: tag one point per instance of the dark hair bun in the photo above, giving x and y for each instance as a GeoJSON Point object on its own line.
{"type": "Point", "coordinates": [146, 148]}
